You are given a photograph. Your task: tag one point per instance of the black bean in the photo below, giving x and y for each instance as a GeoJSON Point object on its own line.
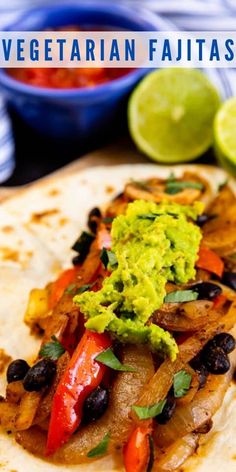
{"type": "Point", "coordinates": [229, 279]}
{"type": "Point", "coordinates": [40, 375]}
{"type": "Point", "coordinates": [95, 212]}
{"type": "Point", "coordinates": [198, 365]}
{"type": "Point", "coordinates": [205, 427]}
{"type": "Point", "coordinates": [207, 290]}
{"type": "Point", "coordinates": [167, 411]}
{"type": "Point", "coordinates": [93, 219]}
{"type": "Point", "coordinates": [119, 195]}
{"type": "Point", "coordinates": [224, 340]}
{"type": "Point", "coordinates": [17, 370]}
{"type": "Point", "coordinates": [202, 376]}
{"type": "Point", "coordinates": [76, 260]}
{"type": "Point", "coordinates": [216, 360]}
{"type": "Point", "coordinates": [95, 404]}
{"type": "Point", "coordinates": [202, 219]}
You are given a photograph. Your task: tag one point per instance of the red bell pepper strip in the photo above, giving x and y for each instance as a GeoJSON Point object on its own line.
{"type": "Point", "coordinates": [209, 260]}
{"type": "Point", "coordinates": [137, 450]}
{"type": "Point", "coordinates": [58, 287]}
{"type": "Point", "coordinates": [219, 301]}
{"type": "Point", "coordinates": [82, 376]}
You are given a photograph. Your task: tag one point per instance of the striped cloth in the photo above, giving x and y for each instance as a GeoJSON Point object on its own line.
{"type": "Point", "coordinates": [191, 15]}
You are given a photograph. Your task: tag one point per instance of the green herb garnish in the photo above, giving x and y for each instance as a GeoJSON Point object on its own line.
{"type": "Point", "coordinates": [181, 296]}
{"type": "Point", "coordinates": [109, 359]}
{"type": "Point", "coordinates": [70, 289]}
{"type": "Point", "coordinates": [181, 383]}
{"type": "Point", "coordinates": [53, 349]}
{"type": "Point", "coordinates": [101, 448]}
{"type": "Point", "coordinates": [82, 245]}
{"type": "Point", "coordinates": [108, 257]}
{"type": "Point", "coordinates": [174, 186]}
{"type": "Point", "coordinates": [108, 219]}
{"type": "Point", "coordinates": [153, 216]}
{"type": "Point", "coordinates": [146, 412]}
{"type": "Point", "coordinates": [171, 177]}
{"type": "Point", "coordinates": [84, 288]}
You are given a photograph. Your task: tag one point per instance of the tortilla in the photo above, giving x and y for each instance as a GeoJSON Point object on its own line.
{"type": "Point", "coordinates": [37, 228]}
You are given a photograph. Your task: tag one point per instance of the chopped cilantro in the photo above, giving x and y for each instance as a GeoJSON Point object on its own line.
{"type": "Point", "coordinates": [101, 448]}
{"type": "Point", "coordinates": [181, 383]}
{"type": "Point", "coordinates": [53, 349]}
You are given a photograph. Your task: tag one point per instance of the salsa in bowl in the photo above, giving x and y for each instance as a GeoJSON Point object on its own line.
{"type": "Point", "coordinates": [76, 112]}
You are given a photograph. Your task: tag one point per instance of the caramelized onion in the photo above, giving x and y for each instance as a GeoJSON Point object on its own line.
{"type": "Point", "coordinates": [27, 410]}
{"type": "Point", "coordinates": [188, 418]}
{"type": "Point", "coordinates": [220, 231]}
{"type": "Point", "coordinates": [197, 309]}
{"type": "Point", "coordinates": [8, 413]}
{"type": "Point", "coordinates": [190, 316]}
{"type": "Point", "coordinates": [157, 388]}
{"type": "Point", "coordinates": [176, 454]}
{"type": "Point", "coordinates": [194, 386]}
{"type": "Point", "coordinates": [116, 421]}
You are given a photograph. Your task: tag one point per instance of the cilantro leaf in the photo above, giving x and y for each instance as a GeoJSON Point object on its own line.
{"type": "Point", "coordinates": [108, 219]}
{"type": "Point", "coordinates": [171, 177]}
{"type": "Point", "coordinates": [109, 359]}
{"type": "Point", "coordinates": [148, 216]}
{"type": "Point", "coordinates": [108, 257]}
{"type": "Point", "coordinates": [82, 245]}
{"type": "Point", "coordinates": [84, 288]}
{"type": "Point", "coordinates": [145, 412]}
{"type": "Point", "coordinates": [70, 289]}
{"type": "Point", "coordinates": [181, 383]}
{"type": "Point", "coordinates": [174, 186]}
{"type": "Point", "coordinates": [101, 448]}
{"type": "Point", "coordinates": [153, 216]}
{"type": "Point", "coordinates": [180, 296]}
{"type": "Point", "coordinates": [53, 349]}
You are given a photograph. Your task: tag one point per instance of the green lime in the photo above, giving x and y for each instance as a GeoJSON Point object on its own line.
{"type": "Point", "coordinates": [171, 114]}
{"type": "Point", "coordinates": [225, 135]}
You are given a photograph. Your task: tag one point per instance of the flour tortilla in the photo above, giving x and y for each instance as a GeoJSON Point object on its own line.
{"type": "Point", "coordinates": [37, 228]}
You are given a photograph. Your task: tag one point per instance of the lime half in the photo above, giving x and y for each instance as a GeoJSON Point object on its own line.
{"type": "Point", "coordinates": [171, 114]}
{"type": "Point", "coordinates": [225, 135]}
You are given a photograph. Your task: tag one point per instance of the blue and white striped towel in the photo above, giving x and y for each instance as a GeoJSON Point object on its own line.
{"type": "Point", "coordinates": [192, 15]}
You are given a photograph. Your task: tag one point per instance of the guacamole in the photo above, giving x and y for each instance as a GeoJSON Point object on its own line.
{"type": "Point", "coordinates": [153, 244]}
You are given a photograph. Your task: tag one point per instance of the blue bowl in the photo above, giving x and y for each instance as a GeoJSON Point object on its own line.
{"type": "Point", "coordinates": [77, 113]}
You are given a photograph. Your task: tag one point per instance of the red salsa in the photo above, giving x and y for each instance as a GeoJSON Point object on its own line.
{"type": "Point", "coordinates": [66, 78]}
{"type": "Point", "coordinates": [63, 78]}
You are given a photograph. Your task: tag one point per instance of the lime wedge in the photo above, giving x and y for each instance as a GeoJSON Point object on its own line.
{"type": "Point", "coordinates": [171, 114]}
{"type": "Point", "coordinates": [225, 135]}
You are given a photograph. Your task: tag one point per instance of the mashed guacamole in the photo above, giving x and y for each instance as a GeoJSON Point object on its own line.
{"type": "Point", "coordinates": [153, 244]}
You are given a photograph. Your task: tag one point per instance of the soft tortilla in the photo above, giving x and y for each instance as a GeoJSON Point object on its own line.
{"type": "Point", "coordinates": [37, 229]}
